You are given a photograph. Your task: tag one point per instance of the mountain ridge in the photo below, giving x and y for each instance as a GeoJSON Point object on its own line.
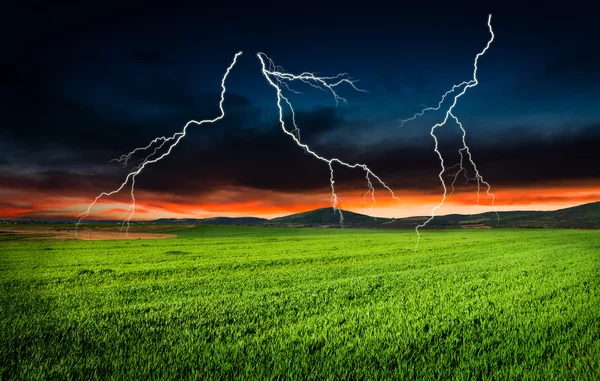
{"type": "Point", "coordinates": [585, 216]}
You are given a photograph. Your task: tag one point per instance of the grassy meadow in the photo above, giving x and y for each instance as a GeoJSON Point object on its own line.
{"type": "Point", "coordinates": [283, 303]}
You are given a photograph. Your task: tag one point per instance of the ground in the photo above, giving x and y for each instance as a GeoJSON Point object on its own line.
{"type": "Point", "coordinates": [47, 232]}
{"type": "Point", "coordinates": [253, 302]}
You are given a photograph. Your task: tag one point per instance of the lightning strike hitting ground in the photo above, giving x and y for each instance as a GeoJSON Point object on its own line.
{"type": "Point", "coordinates": [152, 158]}
{"type": "Point", "coordinates": [279, 79]}
{"type": "Point", "coordinates": [465, 85]}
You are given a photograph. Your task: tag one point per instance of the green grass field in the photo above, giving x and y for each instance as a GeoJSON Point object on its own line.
{"type": "Point", "coordinates": [251, 302]}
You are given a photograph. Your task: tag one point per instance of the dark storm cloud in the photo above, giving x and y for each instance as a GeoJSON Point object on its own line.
{"type": "Point", "coordinates": [37, 120]}
{"type": "Point", "coordinates": [567, 155]}
{"type": "Point", "coordinates": [85, 86]}
{"type": "Point", "coordinates": [228, 154]}
{"type": "Point", "coordinates": [57, 182]}
{"type": "Point", "coordinates": [150, 57]}
{"type": "Point", "coordinates": [240, 151]}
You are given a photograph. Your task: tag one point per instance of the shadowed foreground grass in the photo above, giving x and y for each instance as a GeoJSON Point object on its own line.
{"type": "Point", "coordinates": [244, 302]}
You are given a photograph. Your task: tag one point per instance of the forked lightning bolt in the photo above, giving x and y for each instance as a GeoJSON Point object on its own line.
{"type": "Point", "coordinates": [280, 79]}
{"type": "Point", "coordinates": [477, 177]}
{"type": "Point", "coordinates": [464, 85]}
{"type": "Point", "coordinates": [169, 141]}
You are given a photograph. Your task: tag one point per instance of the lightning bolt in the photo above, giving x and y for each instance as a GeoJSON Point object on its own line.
{"type": "Point", "coordinates": [125, 158]}
{"type": "Point", "coordinates": [169, 141]}
{"type": "Point", "coordinates": [478, 176]}
{"type": "Point", "coordinates": [465, 85]}
{"type": "Point", "coordinates": [370, 191]}
{"type": "Point", "coordinates": [279, 79]}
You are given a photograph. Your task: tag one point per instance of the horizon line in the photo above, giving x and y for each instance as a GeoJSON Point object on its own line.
{"type": "Point", "coordinates": [285, 215]}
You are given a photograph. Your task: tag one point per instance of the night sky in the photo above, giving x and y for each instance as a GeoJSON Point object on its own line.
{"type": "Point", "coordinates": [84, 84]}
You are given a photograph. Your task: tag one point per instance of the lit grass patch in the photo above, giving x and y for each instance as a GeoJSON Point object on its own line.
{"type": "Point", "coordinates": [253, 302]}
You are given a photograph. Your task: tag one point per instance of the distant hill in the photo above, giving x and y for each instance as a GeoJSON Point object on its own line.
{"type": "Point", "coordinates": [585, 216]}
{"type": "Point", "coordinates": [327, 216]}
{"type": "Point", "coordinates": [214, 221]}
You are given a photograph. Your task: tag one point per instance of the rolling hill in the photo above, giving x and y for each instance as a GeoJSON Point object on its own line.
{"type": "Point", "coordinates": [586, 216]}
{"type": "Point", "coordinates": [214, 221]}
{"type": "Point", "coordinates": [327, 216]}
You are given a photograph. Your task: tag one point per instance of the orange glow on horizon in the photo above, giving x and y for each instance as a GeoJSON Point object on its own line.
{"type": "Point", "coordinates": [238, 202]}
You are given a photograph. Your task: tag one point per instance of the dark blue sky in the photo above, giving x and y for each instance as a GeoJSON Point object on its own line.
{"type": "Point", "coordinates": [83, 84]}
